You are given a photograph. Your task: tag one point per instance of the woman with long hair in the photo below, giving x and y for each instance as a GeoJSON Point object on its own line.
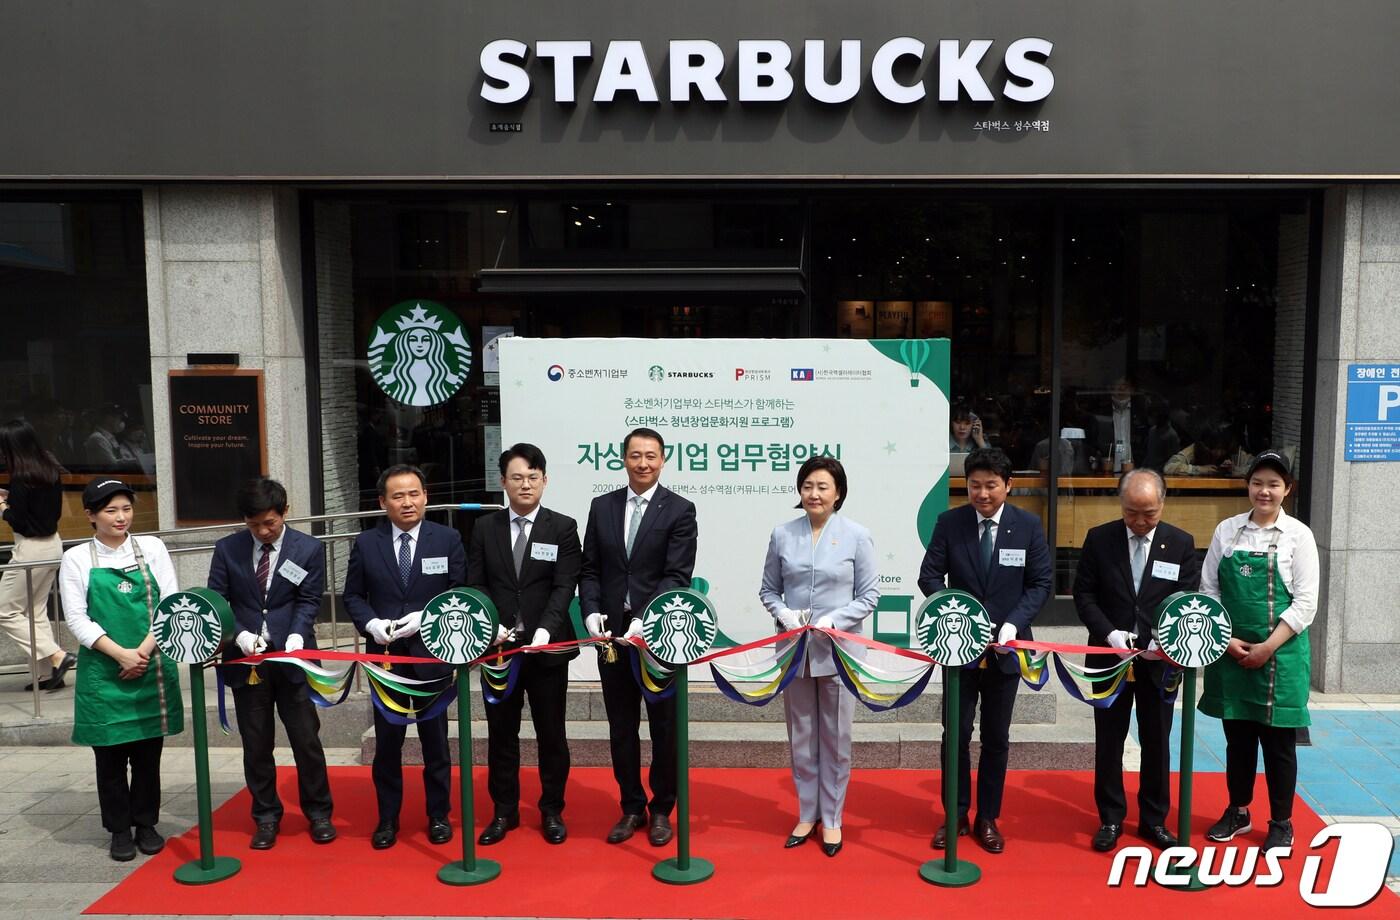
{"type": "Point", "coordinates": [32, 506]}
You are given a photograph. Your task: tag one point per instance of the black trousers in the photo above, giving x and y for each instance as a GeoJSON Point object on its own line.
{"type": "Point", "coordinates": [1154, 733]}
{"type": "Point", "coordinates": [997, 693]}
{"type": "Point", "coordinates": [1243, 739]}
{"type": "Point", "coordinates": [547, 685]}
{"type": "Point", "coordinates": [387, 769]}
{"type": "Point", "coordinates": [134, 800]}
{"type": "Point", "coordinates": [622, 698]}
{"type": "Point", "coordinates": [254, 704]}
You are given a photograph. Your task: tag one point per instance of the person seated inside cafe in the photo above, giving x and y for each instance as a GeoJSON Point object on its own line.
{"type": "Point", "coordinates": [1215, 452]}
{"type": "Point", "coordinates": [965, 432]}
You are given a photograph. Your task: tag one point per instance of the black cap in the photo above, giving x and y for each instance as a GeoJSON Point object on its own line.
{"type": "Point", "coordinates": [100, 491]}
{"type": "Point", "coordinates": [1274, 459]}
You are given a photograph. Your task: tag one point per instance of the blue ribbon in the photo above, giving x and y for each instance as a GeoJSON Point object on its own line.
{"type": "Point", "coordinates": [437, 708]}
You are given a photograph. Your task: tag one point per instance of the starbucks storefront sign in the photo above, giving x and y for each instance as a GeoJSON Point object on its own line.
{"type": "Point", "coordinates": [419, 354]}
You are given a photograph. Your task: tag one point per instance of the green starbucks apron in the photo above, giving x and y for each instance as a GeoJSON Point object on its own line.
{"type": "Point", "coordinates": [1253, 591]}
{"type": "Point", "coordinates": [106, 709]}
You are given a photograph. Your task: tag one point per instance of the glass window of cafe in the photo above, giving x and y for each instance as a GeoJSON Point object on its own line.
{"type": "Point", "coordinates": [1181, 321]}
{"type": "Point", "coordinates": [75, 351]}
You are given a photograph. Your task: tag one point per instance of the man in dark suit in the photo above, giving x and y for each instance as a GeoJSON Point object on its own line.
{"type": "Point", "coordinates": [997, 553]}
{"type": "Point", "coordinates": [639, 542]}
{"type": "Point", "coordinates": [1126, 570]}
{"type": "Point", "coordinates": [1120, 425]}
{"type": "Point", "coordinates": [527, 558]}
{"type": "Point", "coordinates": [395, 568]}
{"type": "Point", "coordinates": [273, 577]}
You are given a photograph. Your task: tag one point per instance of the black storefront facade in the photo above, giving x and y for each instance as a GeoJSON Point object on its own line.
{"type": "Point", "coordinates": [1195, 203]}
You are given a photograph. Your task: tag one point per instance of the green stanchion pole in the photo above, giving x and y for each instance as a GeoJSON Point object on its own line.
{"type": "Point", "coordinates": [470, 871]}
{"type": "Point", "coordinates": [950, 872]}
{"type": "Point", "coordinates": [683, 869]}
{"type": "Point", "coordinates": [208, 868]}
{"type": "Point", "coordinates": [1186, 771]}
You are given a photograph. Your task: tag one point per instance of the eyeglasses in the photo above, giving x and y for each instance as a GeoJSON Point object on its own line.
{"type": "Point", "coordinates": [533, 479]}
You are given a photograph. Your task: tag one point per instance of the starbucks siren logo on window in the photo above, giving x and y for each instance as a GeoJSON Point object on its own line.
{"type": "Point", "coordinates": [418, 353]}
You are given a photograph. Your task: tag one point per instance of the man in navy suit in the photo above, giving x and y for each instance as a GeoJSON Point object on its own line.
{"type": "Point", "coordinates": [526, 558]}
{"type": "Point", "coordinates": [997, 553]}
{"type": "Point", "coordinates": [395, 568]}
{"type": "Point", "coordinates": [639, 542]}
{"type": "Point", "coordinates": [273, 577]}
{"type": "Point", "coordinates": [1127, 568]}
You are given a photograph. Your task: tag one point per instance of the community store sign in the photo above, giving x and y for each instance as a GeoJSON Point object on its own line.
{"type": "Point", "coordinates": [739, 417]}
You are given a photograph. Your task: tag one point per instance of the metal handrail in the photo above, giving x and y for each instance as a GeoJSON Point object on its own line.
{"type": "Point", "coordinates": [330, 537]}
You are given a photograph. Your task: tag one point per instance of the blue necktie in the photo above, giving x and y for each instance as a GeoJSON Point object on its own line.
{"type": "Point", "coordinates": [986, 546]}
{"type": "Point", "coordinates": [405, 559]}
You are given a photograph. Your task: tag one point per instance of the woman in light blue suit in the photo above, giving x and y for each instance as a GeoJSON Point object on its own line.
{"type": "Point", "coordinates": [820, 569]}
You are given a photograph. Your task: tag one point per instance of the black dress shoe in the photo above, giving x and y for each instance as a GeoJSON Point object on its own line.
{"type": "Point", "coordinates": [439, 831]}
{"type": "Point", "coordinates": [495, 832]}
{"type": "Point", "coordinates": [553, 829]}
{"type": "Point", "coordinates": [264, 837]}
{"type": "Point", "coordinates": [322, 830]}
{"type": "Point", "coordinates": [48, 683]}
{"type": "Point", "coordinates": [624, 827]}
{"type": "Point", "coordinates": [940, 836]}
{"type": "Point", "coordinates": [56, 678]}
{"type": "Point", "coordinates": [385, 835]}
{"type": "Point", "coordinates": [1107, 836]}
{"type": "Point", "coordinates": [796, 841]}
{"type": "Point", "coordinates": [123, 848]}
{"type": "Point", "coordinates": [149, 840]}
{"type": "Point", "coordinates": [1157, 835]}
{"type": "Point", "coordinates": [987, 836]}
{"type": "Point", "coordinates": [831, 849]}
{"type": "Point", "coordinates": [659, 834]}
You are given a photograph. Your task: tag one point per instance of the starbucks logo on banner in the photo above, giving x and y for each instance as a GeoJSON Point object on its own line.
{"type": "Point", "coordinates": [187, 628]}
{"type": "Point", "coordinates": [953, 628]}
{"type": "Point", "coordinates": [418, 353]}
{"type": "Point", "coordinates": [1193, 629]}
{"type": "Point", "coordinates": [656, 373]}
{"type": "Point", "coordinates": [680, 626]}
{"type": "Point", "coordinates": [458, 625]}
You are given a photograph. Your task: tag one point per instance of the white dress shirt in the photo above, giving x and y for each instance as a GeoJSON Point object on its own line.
{"type": "Point", "coordinates": [1297, 560]}
{"type": "Point", "coordinates": [398, 535]}
{"type": "Point", "coordinates": [73, 575]}
{"type": "Point", "coordinates": [271, 557]}
{"type": "Point", "coordinates": [515, 525]}
{"type": "Point", "coordinates": [630, 508]}
{"type": "Point", "coordinates": [996, 523]}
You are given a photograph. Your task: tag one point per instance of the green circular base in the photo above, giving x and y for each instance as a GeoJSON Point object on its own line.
{"type": "Point", "coordinates": [194, 873]}
{"type": "Point", "coordinates": [457, 873]}
{"type": "Point", "coordinates": [670, 872]}
{"type": "Point", "coordinates": [935, 872]}
{"type": "Point", "coordinates": [1193, 882]}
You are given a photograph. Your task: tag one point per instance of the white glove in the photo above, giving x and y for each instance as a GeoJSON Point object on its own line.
{"type": "Point", "coordinates": [381, 631]}
{"type": "Point", "coordinates": [295, 643]}
{"type": "Point", "coordinates": [594, 623]}
{"type": "Point", "coordinates": [633, 629]}
{"type": "Point", "coordinates": [824, 622]}
{"type": "Point", "coordinates": [541, 637]}
{"type": "Point", "coordinates": [250, 644]}
{"type": "Point", "coordinates": [788, 619]}
{"type": "Point", "coordinates": [1120, 639]}
{"type": "Point", "coordinates": [1005, 635]}
{"type": "Point", "coordinates": [502, 635]}
{"type": "Point", "coordinates": [407, 625]}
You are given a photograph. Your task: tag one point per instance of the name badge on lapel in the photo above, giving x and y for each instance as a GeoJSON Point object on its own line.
{"type": "Point", "coordinates": [291, 571]}
{"type": "Point", "coordinates": [545, 552]}
{"type": "Point", "coordinates": [1168, 570]}
{"type": "Point", "coordinates": [1013, 557]}
{"type": "Point", "coordinates": [434, 565]}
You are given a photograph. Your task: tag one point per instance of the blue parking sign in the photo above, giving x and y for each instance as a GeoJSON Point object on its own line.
{"type": "Point", "coordinates": [1373, 412]}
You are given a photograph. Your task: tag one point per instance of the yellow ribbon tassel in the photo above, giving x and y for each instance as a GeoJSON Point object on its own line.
{"type": "Point", "coordinates": [253, 678]}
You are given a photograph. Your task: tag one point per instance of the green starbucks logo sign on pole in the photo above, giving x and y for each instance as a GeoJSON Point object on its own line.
{"type": "Point", "coordinates": [189, 627]}
{"type": "Point", "coordinates": [953, 629]}
{"type": "Point", "coordinates": [1193, 631]}
{"type": "Point", "coordinates": [679, 627]}
{"type": "Point", "coordinates": [418, 353]}
{"type": "Point", "coordinates": [457, 627]}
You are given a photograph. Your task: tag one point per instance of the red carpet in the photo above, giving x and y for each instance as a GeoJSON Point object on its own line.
{"type": "Point", "coordinates": [740, 820]}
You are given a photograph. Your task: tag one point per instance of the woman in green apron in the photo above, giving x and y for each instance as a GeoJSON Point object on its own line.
{"type": "Point", "coordinates": [128, 695]}
{"type": "Point", "coordinates": [1263, 566]}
